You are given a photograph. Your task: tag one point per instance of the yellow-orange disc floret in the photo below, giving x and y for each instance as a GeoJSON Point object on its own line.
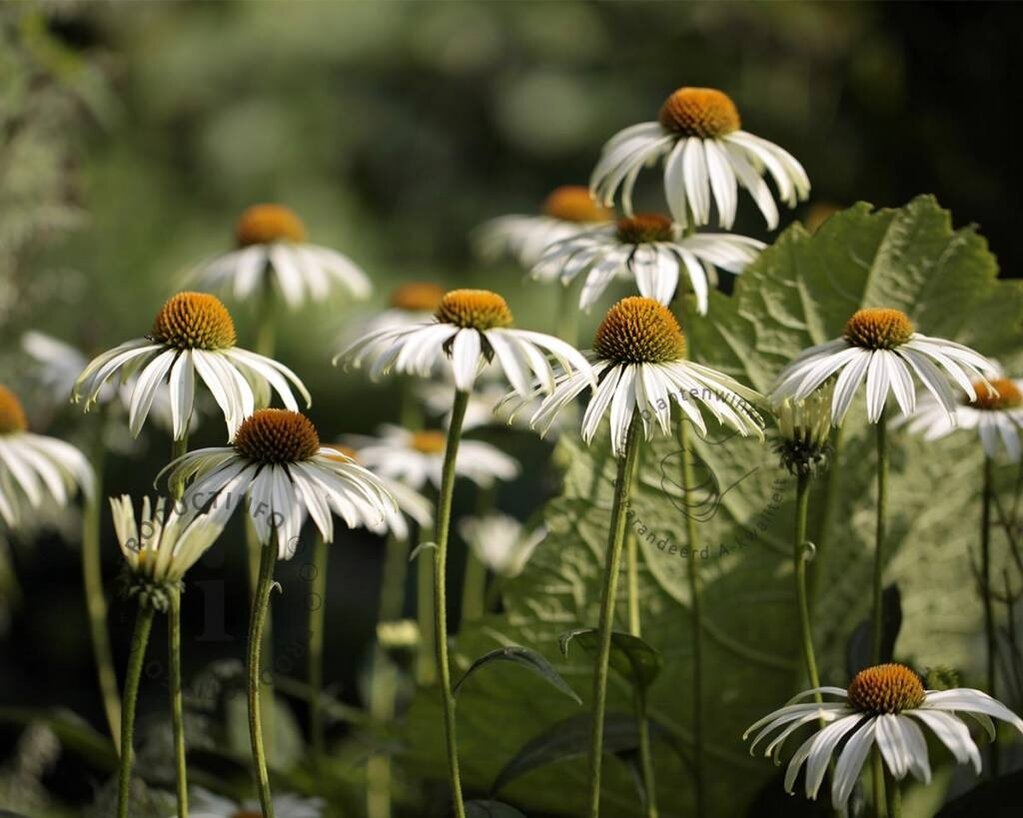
{"type": "Point", "coordinates": [889, 688]}
{"type": "Point", "coordinates": [703, 112]}
{"type": "Point", "coordinates": [878, 328]}
{"type": "Point", "coordinates": [194, 321]}
{"type": "Point", "coordinates": [639, 330]}
{"type": "Point", "coordinates": [573, 203]}
{"type": "Point", "coordinates": [276, 436]}
{"type": "Point", "coordinates": [474, 309]}
{"type": "Point", "coordinates": [12, 416]}
{"type": "Point", "coordinates": [267, 223]}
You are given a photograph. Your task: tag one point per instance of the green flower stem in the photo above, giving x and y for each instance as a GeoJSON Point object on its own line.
{"type": "Point", "coordinates": [893, 797]}
{"type": "Point", "coordinates": [646, 758]}
{"type": "Point", "coordinates": [426, 667]}
{"type": "Point", "coordinates": [392, 587]}
{"type": "Point", "coordinates": [990, 633]}
{"type": "Point", "coordinates": [177, 704]}
{"type": "Point", "coordinates": [799, 566]}
{"type": "Point", "coordinates": [136, 658]}
{"type": "Point", "coordinates": [616, 539]}
{"type": "Point", "coordinates": [832, 484]}
{"type": "Point", "coordinates": [95, 601]}
{"type": "Point", "coordinates": [877, 779]}
{"type": "Point", "coordinates": [440, 560]}
{"type": "Point", "coordinates": [317, 620]}
{"type": "Point", "coordinates": [178, 449]}
{"type": "Point", "coordinates": [696, 595]}
{"type": "Point", "coordinates": [266, 323]}
{"type": "Point", "coordinates": [266, 690]}
{"type": "Point", "coordinates": [260, 603]}
{"type": "Point", "coordinates": [882, 513]}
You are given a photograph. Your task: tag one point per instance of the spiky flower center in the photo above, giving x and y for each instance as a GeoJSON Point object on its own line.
{"type": "Point", "coordinates": [573, 203]}
{"type": "Point", "coordinates": [267, 223]}
{"type": "Point", "coordinates": [194, 321]}
{"type": "Point", "coordinates": [276, 436]}
{"type": "Point", "coordinates": [474, 309]}
{"type": "Point", "coordinates": [889, 688]}
{"type": "Point", "coordinates": [644, 228]}
{"type": "Point", "coordinates": [639, 330]}
{"type": "Point", "coordinates": [703, 112]}
{"type": "Point", "coordinates": [1002, 394]}
{"type": "Point", "coordinates": [878, 328]}
{"type": "Point", "coordinates": [12, 416]}
{"type": "Point", "coordinates": [429, 441]}
{"type": "Point", "coordinates": [417, 296]}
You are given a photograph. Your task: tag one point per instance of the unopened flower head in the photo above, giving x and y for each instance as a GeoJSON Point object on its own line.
{"type": "Point", "coordinates": [161, 545]}
{"type": "Point", "coordinates": [35, 470]}
{"type": "Point", "coordinates": [470, 328]}
{"type": "Point", "coordinates": [881, 347]}
{"type": "Point", "coordinates": [274, 257]}
{"type": "Point", "coordinates": [192, 334]}
{"type": "Point", "coordinates": [804, 429]}
{"type": "Point", "coordinates": [650, 249]}
{"type": "Point", "coordinates": [276, 462]}
{"type": "Point", "coordinates": [639, 364]}
{"type": "Point", "coordinates": [568, 211]}
{"type": "Point", "coordinates": [887, 707]}
{"type": "Point", "coordinates": [416, 459]}
{"type": "Point", "coordinates": [995, 414]}
{"type": "Point", "coordinates": [707, 157]}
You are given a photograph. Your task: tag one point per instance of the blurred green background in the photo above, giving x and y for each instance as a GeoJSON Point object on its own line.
{"type": "Point", "coordinates": [134, 133]}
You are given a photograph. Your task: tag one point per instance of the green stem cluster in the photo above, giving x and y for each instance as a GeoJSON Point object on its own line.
{"type": "Point", "coordinates": [616, 538]}
{"type": "Point", "coordinates": [440, 557]}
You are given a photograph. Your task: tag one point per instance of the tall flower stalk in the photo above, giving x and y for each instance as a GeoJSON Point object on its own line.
{"type": "Point", "coordinates": [254, 663]}
{"type": "Point", "coordinates": [640, 367]}
{"type": "Point", "coordinates": [178, 448]}
{"type": "Point", "coordinates": [990, 633]}
{"type": "Point", "coordinates": [136, 659]}
{"type": "Point", "coordinates": [440, 561]}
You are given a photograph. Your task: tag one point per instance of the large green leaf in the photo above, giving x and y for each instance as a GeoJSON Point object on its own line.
{"type": "Point", "coordinates": [800, 292]}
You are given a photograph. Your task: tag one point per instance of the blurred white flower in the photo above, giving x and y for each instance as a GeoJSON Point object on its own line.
{"type": "Point", "coordinates": [207, 805]}
{"type": "Point", "coordinates": [501, 542]}
{"type": "Point", "coordinates": [410, 304]}
{"type": "Point", "coordinates": [650, 250]}
{"type": "Point", "coordinates": [417, 458]}
{"type": "Point", "coordinates": [273, 253]}
{"type": "Point", "coordinates": [35, 470]}
{"type": "Point", "coordinates": [568, 211]}
{"type": "Point", "coordinates": [996, 414]}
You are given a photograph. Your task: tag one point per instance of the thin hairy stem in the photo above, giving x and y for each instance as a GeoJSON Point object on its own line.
{"type": "Point", "coordinates": [879, 540]}
{"type": "Point", "coordinates": [136, 659]}
{"type": "Point", "coordinates": [317, 621]}
{"type": "Point", "coordinates": [799, 567]}
{"type": "Point", "coordinates": [616, 539]}
{"type": "Point", "coordinates": [440, 559]}
{"type": "Point", "coordinates": [260, 603]}
{"type": "Point", "coordinates": [990, 632]}
{"type": "Point", "coordinates": [178, 449]}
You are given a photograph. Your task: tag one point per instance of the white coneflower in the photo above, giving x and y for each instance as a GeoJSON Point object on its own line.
{"type": "Point", "coordinates": [501, 542]}
{"type": "Point", "coordinates": [706, 158]}
{"type": "Point", "coordinates": [208, 805]}
{"type": "Point", "coordinates": [885, 707]}
{"type": "Point", "coordinates": [410, 503]}
{"type": "Point", "coordinates": [996, 414]}
{"type": "Point", "coordinates": [568, 211]}
{"type": "Point", "coordinates": [273, 252]}
{"type": "Point", "coordinates": [470, 327]}
{"type": "Point", "coordinates": [417, 458]}
{"type": "Point", "coordinates": [34, 469]}
{"type": "Point", "coordinates": [276, 461]}
{"type": "Point", "coordinates": [193, 334]}
{"type": "Point", "coordinates": [881, 346]}
{"type": "Point", "coordinates": [651, 250]}
{"type": "Point", "coordinates": [640, 366]}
